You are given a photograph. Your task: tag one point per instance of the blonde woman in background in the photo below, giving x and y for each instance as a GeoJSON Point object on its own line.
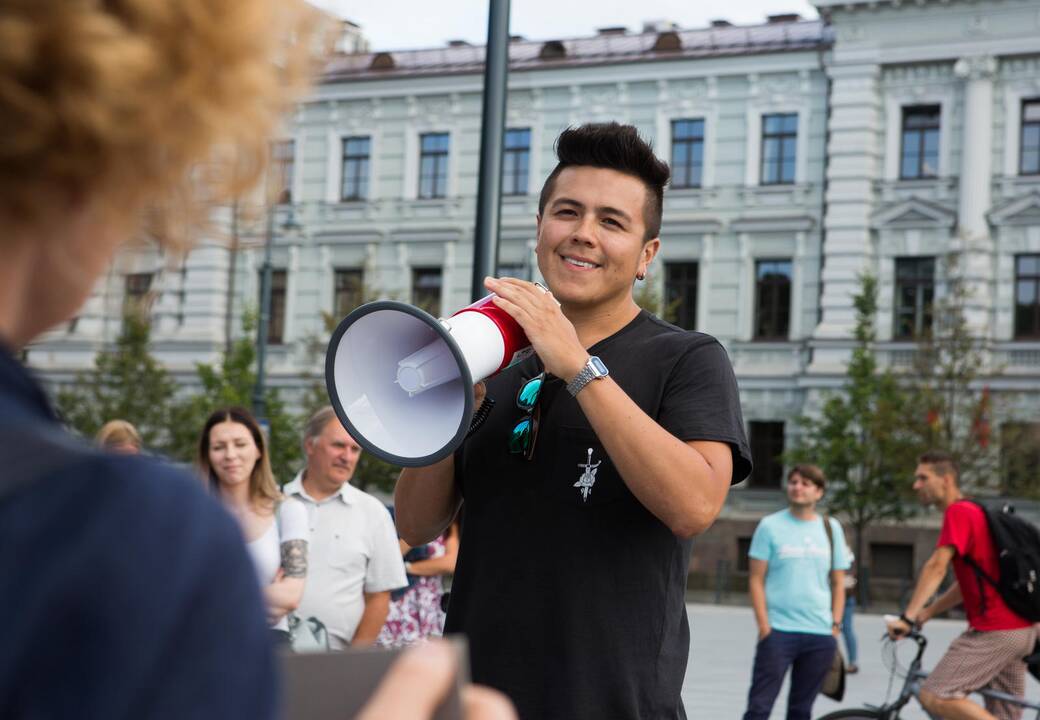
{"type": "Point", "coordinates": [119, 436]}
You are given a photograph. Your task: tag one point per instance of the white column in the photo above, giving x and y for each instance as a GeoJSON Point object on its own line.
{"type": "Point", "coordinates": [856, 154]}
{"type": "Point", "coordinates": [976, 266]}
{"type": "Point", "coordinates": [977, 144]}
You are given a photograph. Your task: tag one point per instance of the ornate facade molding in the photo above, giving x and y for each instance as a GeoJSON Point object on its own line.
{"type": "Point", "coordinates": [976, 67]}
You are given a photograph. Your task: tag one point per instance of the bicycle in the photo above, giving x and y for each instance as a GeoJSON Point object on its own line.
{"type": "Point", "coordinates": [912, 690]}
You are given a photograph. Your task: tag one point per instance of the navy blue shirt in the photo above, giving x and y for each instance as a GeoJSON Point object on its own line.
{"type": "Point", "coordinates": [127, 591]}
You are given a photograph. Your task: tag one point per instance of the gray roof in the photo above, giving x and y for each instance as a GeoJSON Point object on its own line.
{"type": "Point", "coordinates": [601, 49]}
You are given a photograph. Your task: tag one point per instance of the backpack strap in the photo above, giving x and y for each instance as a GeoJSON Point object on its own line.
{"type": "Point", "coordinates": [830, 568]}
{"type": "Point", "coordinates": [981, 574]}
{"type": "Point", "coordinates": [830, 539]}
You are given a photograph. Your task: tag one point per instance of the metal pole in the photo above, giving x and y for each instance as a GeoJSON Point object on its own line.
{"type": "Point", "coordinates": [259, 405]}
{"type": "Point", "coordinates": [489, 187]}
{"type": "Point", "coordinates": [229, 311]}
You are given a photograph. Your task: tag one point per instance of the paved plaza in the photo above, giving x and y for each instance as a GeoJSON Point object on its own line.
{"type": "Point", "coordinates": [722, 649]}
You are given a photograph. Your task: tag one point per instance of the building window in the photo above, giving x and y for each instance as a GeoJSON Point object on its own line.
{"type": "Point", "coordinates": [1029, 153]}
{"type": "Point", "coordinates": [687, 153]}
{"type": "Point", "coordinates": [280, 172]}
{"type": "Point", "coordinates": [915, 291]}
{"type": "Point", "coordinates": [779, 147]}
{"type": "Point", "coordinates": [1027, 297]}
{"type": "Point", "coordinates": [426, 290]}
{"type": "Point", "coordinates": [1020, 457]}
{"type": "Point", "coordinates": [433, 165]}
{"type": "Point", "coordinates": [137, 299]}
{"type": "Point", "coordinates": [772, 299]}
{"type": "Point", "coordinates": [767, 449]}
{"type": "Point", "coordinates": [349, 291]}
{"type": "Point", "coordinates": [276, 323]}
{"type": "Point", "coordinates": [355, 168]}
{"type": "Point", "coordinates": [920, 156]}
{"type": "Point", "coordinates": [892, 560]}
{"type": "Point", "coordinates": [515, 161]}
{"type": "Point", "coordinates": [680, 293]}
{"type": "Point", "coordinates": [743, 548]}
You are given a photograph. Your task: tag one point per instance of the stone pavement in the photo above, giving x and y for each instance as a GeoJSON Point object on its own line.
{"type": "Point", "coordinates": [722, 649]}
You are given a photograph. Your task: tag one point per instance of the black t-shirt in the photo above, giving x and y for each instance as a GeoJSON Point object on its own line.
{"type": "Point", "coordinates": [128, 592]}
{"type": "Point", "coordinates": [573, 601]}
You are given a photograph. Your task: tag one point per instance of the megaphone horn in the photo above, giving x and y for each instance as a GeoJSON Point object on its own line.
{"type": "Point", "coordinates": [401, 381]}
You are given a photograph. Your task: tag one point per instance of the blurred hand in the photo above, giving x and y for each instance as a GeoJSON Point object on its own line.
{"type": "Point", "coordinates": [479, 393]}
{"type": "Point", "coordinates": [419, 681]}
{"type": "Point", "coordinates": [763, 632]}
{"type": "Point", "coordinates": [897, 628]}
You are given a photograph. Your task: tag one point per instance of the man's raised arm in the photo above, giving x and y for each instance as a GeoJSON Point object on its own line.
{"type": "Point", "coordinates": [425, 501]}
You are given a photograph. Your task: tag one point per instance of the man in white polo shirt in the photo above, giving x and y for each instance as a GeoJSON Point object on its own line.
{"type": "Point", "coordinates": [354, 558]}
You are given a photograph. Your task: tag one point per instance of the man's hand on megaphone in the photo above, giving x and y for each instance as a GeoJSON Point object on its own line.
{"type": "Point", "coordinates": [552, 335]}
{"type": "Point", "coordinates": [479, 393]}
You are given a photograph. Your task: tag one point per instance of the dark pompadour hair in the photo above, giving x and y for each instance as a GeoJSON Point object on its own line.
{"type": "Point", "coordinates": [614, 147]}
{"type": "Point", "coordinates": [942, 462]}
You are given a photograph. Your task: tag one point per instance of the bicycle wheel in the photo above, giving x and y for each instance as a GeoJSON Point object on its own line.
{"type": "Point", "coordinates": [860, 714]}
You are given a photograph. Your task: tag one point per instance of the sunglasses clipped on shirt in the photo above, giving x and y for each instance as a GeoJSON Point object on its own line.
{"type": "Point", "coordinates": [524, 436]}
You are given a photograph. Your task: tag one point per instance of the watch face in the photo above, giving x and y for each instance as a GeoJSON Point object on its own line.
{"type": "Point", "coordinates": [598, 366]}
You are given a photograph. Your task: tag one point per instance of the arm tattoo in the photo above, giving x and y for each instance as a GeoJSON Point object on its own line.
{"type": "Point", "coordinates": [294, 558]}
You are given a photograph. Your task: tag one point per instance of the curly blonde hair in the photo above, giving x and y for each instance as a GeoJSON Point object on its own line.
{"type": "Point", "coordinates": [117, 432]}
{"type": "Point", "coordinates": [160, 104]}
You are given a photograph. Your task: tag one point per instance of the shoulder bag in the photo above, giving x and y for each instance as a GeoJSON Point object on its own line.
{"type": "Point", "coordinates": [834, 683]}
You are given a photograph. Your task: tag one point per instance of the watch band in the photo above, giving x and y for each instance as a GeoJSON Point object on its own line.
{"type": "Point", "coordinates": [590, 372]}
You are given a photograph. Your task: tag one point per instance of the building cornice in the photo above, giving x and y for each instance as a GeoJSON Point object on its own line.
{"type": "Point", "coordinates": [586, 52]}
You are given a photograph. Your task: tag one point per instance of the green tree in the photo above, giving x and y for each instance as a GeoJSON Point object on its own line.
{"type": "Point", "coordinates": [951, 407]}
{"type": "Point", "coordinates": [232, 383]}
{"type": "Point", "coordinates": [859, 438]}
{"type": "Point", "coordinates": [127, 382]}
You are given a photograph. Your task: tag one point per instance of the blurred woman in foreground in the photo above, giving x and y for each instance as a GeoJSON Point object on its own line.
{"type": "Point", "coordinates": [122, 118]}
{"type": "Point", "coordinates": [119, 119]}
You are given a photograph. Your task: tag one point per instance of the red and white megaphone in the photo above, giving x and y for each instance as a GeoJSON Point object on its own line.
{"type": "Point", "coordinates": [401, 381]}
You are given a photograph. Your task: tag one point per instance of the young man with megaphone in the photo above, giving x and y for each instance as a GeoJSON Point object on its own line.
{"type": "Point", "coordinates": [605, 454]}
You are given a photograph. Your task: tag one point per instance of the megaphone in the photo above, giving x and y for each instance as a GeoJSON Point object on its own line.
{"type": "Point", "coordinates": [401, 381]}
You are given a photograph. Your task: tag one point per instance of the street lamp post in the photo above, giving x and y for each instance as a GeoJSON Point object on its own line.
{"type": "Point", "coordinates": [489, 188]}
{"type": "Point", "coordinates": [264, 324]}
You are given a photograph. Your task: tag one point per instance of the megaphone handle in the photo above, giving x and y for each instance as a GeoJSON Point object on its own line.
{"type": "Point", "coordinates": [480, 415]}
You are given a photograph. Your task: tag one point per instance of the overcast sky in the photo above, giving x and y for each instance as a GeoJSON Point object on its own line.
{"type": "Point", "coordinates": [403, 24]}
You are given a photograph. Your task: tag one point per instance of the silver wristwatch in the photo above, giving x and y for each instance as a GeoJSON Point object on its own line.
{"type": "Point", "coordinates": [594, 368]}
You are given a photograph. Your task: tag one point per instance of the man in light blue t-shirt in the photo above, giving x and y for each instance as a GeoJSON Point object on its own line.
{"type": "Point", "coordinates": [797, 588]}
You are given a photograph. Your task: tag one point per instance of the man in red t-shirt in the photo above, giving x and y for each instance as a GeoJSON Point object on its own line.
{"type": "Point", "coordinates": [989, 653]}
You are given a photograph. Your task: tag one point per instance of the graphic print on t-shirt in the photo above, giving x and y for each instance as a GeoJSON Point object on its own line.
{"type": "Point", "coordinates": [808, 548]}
{"type": "Point", "coordinates": [588, 478]}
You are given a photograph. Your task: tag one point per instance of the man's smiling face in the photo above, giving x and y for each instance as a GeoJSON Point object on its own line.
{"type": "Point", "coordinates": [591, 237]}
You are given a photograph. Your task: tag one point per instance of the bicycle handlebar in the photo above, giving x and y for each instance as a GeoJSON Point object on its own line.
{"type": "Point", "coordinates": [917, 637]}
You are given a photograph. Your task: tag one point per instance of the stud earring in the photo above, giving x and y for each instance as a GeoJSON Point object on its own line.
{"type": "Point", "coordinates": [640, 276]}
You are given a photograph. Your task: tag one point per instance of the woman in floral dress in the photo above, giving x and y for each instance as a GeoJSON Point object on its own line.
{"type": "Point", "coordinates": [415, 612]}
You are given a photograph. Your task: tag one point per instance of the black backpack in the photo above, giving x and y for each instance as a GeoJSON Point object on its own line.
{"type": "Point", "coordinates": [1017, 542]}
